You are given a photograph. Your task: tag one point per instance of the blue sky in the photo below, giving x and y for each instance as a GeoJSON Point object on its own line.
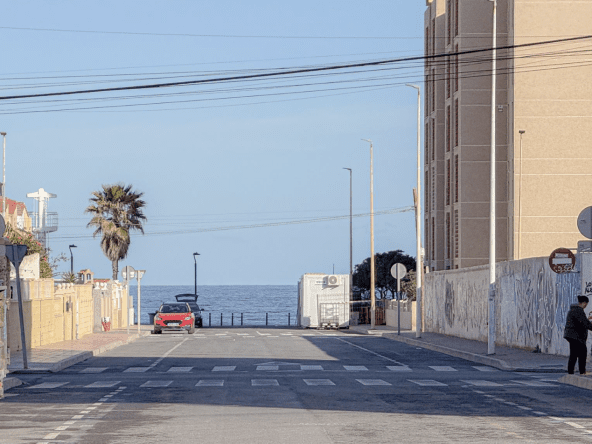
{"type": "Point", "coordinates": [216, 163]}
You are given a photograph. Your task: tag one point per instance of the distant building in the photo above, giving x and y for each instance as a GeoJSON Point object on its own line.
{"type": "Point", "coordinates": [86, 276]}
{"type": "Point", "coordinates": [543, 129]}
{"type": "Point", "coordinates": [16, 214]}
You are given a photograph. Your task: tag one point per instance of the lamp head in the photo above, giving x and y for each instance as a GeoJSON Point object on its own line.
{"type": "Point", "coordinates": [72, 246]}
{"type": "Point", "coordinates": [4, 134]}
{"type": "Point", "coordinates": [521, 131]}
{"type": "Point", "coordinates": [349, 169]}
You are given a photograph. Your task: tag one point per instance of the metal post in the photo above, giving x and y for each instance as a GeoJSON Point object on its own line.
{"type": "Point", "coordinates": [288, 319]}
{"type": "Point", "coordinates": [20, 303]}
{"type": "Point", "coordinates": [351, 272]}
{"type": "Point", "coordinates": [3, 178]}
{"type": "Point", "coordinates": [398, 306]}
{"type": "Point", "coordinates": [210, 320]}
{"type": "Point", "coordinates": [221, 320]}
{"type": "Point", "coordinates": [241, 319]}
{"type": "Point", "coordinates": [195, 272]}
{"type": "Point", "coordinates": [127, 308]}
{"type": "Point", "coordinates": [139, 302]}
{"type": "Point", "coordinates": [492, 202]}
{"type": "Point", "coordinates": [419, 258]}
{"type": "Point", "coordinates": [232, 320]}
{"type": "Point", "coordinates": [372, 272]}
{"type": "Point", "coordinates": [266, 319]}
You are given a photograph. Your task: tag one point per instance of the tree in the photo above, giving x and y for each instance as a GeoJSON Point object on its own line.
{"type": "Point", "coordinates": [384, 282]}
{"type": "Point", "coordinates": [115, 210]}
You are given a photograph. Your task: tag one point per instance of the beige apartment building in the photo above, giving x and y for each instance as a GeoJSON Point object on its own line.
{"type": "Point", "coordinates": [543, 128]}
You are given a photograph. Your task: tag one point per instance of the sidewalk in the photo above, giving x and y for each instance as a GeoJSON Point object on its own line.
{"type": "Point", "coordinates": [55, 357]}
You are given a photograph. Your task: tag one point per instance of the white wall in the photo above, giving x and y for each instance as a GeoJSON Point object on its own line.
{"type": "Point", "coordinates": [531, 304]}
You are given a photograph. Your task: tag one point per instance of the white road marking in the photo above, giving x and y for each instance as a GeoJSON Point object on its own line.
{"type": "Point", "coordinates": [355, 368]}
{"type": "Point", "coordinates": [156, 384]}
{"type": "Point", "coordinates": [263, 334]}
{"type": "Point", "coordinates": [398, 368]}
{"type": "Point", "coordinates": [136, 369]}
{"type": "Point", "coordinates": [69, 422]}
{"type": "Point", "coordinates": [179, 369]}
{"type": "Point", "coordinates": [484, 368]}
{"type": "Point", "coordinates": [77, 416]}
{"type": "Point", "coordinates": [62, 428]}
{"type": "Point", "coordinates": [535, 383]}
{"type": "Point", "coordinates": [311, 367]}
{"type": "Point", "coordinates": [442, 368]}
{"type": "Point", "coordinates": [224, 368]}
{"type": "Point", "coordinates": [102, 384]}
{"type": "Point", "coordinates": [482, 383]}
{"type": "Point", "coordinates": [51, 436]}
{"type": "Point", "coordinates": [48, 385]}
{"type": "Point", "coordinates": [372, 382]}
{"type": "Point", "coordinates": [268, 367]}
{"type": "Point", "coordinates": [94, 369]}
{"type": "Point", "coordinates": [264, 382]}
{"type": "Point", "coordinates": [370, 351]}
{"type": "Point", "coordinates": [427, 383]}
{"type": "Point", "coordinates": [318, 382]}
{"type": "Point", "coordinates": [540, 413]}
{"type": "Point", "coordinates": [210, 383]}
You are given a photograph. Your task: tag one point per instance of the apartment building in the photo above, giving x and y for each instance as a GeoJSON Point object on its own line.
{"type": "Point", "coordinates": [543, 114]}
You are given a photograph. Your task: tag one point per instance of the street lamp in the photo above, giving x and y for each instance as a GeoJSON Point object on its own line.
{"type": "Point", "coordinates": [372, 277]}
{"type": "Point", "coordinates": [195, 274]}
{"type": "Point", "coordinates": [419, 262]}
{"type": "Point", "coordinates": [71, 258]}
{"type": "Point", "coordinates": [351, 269]}
{"type": "Point", "coordinates": [492, 215]}
{"type": "Point", "coordinates": [3, 176]}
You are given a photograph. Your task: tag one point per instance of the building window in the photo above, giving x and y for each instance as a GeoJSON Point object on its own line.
{"type": "Point", "coordinates": [448, 244]}
{"type": "Point", "coordinates": [433, 255]}
{"type": "Point", "coordinates": [455, 17]}
{"type": "Point", "coordinates": [456, 69]}
{"type": "Point", "coordinates": [433, 139]}
{"type": "Point", "coordinates": [448, 128]}
{"type": "Point", "coordinates": [456, 122]}
{"type": "Point", "coordinates": [427, 194]}
{"type": "Point", "coordinates": [448, 76]}
{"type": "Point", "coordinates": [447, 181]}
{"type": "Point", "coordinates": [456, 233]}
{"type": "Point", "coordinates": [456, 178]}
{"type": "Point", "coordinates": [448, 22]}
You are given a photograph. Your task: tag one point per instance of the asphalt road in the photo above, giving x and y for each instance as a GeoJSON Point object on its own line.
{"type": "Point", "coordinates": [289, 386]}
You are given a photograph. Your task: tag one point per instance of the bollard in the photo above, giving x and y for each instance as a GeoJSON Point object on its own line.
{"type": "Point", "coordinates": [232, 320]}
{"type": "Point", "coordinates": [210, 320]}
{"type": "Point", "coordinates": [241, 319]}
{"type": "Point", "coordinates": [288, 319]}
{"type": "Point", "coordinates": [266, 319]}
{"type": "Point", "coordinates": [221, 323]}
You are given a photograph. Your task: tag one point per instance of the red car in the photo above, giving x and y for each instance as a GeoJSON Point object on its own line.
{"type": "Point", "coordinates": [174, 316]}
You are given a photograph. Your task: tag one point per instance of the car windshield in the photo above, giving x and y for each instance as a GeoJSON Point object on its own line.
{"type": "Point", "coordinates": [174, 308]}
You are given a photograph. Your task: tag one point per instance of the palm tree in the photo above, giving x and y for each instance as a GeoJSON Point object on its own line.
{"type": "Point", "coordinates": [115, 210]}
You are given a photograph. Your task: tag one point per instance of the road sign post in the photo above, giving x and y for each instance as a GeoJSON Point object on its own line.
{"type": "Point", "coordinates": [15, 254]}
{"type": "Point", "coordinates": [398, 271]}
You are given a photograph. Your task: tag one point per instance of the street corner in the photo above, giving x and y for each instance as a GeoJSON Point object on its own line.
{"type": "Point", "coordinates": [581, 381]}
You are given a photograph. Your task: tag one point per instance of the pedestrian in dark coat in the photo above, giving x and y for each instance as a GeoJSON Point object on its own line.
{"type": "Point", "coordinates": [576, 333]}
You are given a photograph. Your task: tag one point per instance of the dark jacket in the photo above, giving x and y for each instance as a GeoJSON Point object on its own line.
{"type": "Point", "coordinates": [577, 324]}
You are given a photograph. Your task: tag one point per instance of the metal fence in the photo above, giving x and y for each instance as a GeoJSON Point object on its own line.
{"type": "Point", "coordinates": [250, 319]}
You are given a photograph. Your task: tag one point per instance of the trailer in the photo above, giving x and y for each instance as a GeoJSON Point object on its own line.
{"type": "Point", "coordinates": [323, 301]}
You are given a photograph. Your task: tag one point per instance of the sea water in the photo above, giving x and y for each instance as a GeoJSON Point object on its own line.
{"type": "Point", "coordinates": [227, 301]}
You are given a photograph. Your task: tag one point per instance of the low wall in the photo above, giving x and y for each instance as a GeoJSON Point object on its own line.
{"type": "Point", "coordinates": [407, 315]}
{"type": "Point", "coordinates": [530, 307]}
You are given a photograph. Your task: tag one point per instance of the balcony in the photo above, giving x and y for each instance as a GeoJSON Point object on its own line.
{"type": "Point", "coordinates": [51, 222]}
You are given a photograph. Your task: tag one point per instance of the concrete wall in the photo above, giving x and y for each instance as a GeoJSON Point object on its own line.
{"type": "Point", "coordinates": [531, 304]}
{"type": "Point", "coordinates": [62, 312]}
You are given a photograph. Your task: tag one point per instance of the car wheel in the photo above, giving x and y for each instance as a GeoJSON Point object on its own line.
{"type": "Point", "coordinates": [157, 331]}
{"type": "Point", "coordinates": [200, 323]}
{"type": "Point", "coordinates": [192, 329]}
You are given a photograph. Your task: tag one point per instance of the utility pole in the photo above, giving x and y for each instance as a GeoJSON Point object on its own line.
{"type": "Point", "coordinates": [195, 272]}
{"type": "Point", "coordinates": [372, 272]}
{"type": "Point", "coordinates": [351, 267]}
{"type": "Point", "coordinates": [3, 177]}
{"type": "Point", "coordinates": [492, 201]}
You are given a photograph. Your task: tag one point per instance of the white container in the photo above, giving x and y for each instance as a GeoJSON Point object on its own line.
{"type": "Point", "coordinates": [323, 301]}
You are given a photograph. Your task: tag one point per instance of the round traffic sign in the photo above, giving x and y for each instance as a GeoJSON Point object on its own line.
{"type": "Point", "coordinates": [585, 222]}
{"type": "Point", "coordinates": [562, 260]}
{"type": "Point", "coordinates": [398, 271]}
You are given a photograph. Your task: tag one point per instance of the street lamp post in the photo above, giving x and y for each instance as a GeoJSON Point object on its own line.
{"type": "Point", "coordinates": [3, 176]}
{"type": "Point", "coordinates": [71, 258]}
{"type": "Point", "coordinates": [492, 213]}
{"type": "Point", "coordinates": [195, 272]}
{"type": "Point", "coordinates": [351, 269]}
{"type": "Point", "coordinates": [372, 272]}
{"type": "Point", "coordinates": [419, 261]}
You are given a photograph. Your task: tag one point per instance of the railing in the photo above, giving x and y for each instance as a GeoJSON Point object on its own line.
{"type": "Point", "coordinates": [51, 220]}
{"type": "Point", "coordinates": [251, 319]}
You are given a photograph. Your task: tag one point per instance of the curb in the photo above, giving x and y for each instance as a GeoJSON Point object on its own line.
{"type": "Point", "coordinates": [82, 356]}
{"type": "Point", "coordinates": [577, 381]}
{"type": "Point", "coordinates": [492, 362]}
{"type": "Point", "coordinates": [9, 383]}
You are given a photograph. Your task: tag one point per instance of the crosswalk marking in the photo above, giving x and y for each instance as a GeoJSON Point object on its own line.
{"type": "Point", "coordinates": [264, 382]}
{"type": "Point", "coordinates": [427, 383]}
{"type": "Point", "coordinates": [136, 369]}
{"type": "Point", "coordinates": [311, 367]}
{"type": "Point", "coordinates": [179, 369]}
{"type": "Point", "coordinates": [482, 383]}
{"type": "Point", "coordinates": [156, 384]}
{"type": "Point", "coordinates": [102, 384]}
{"type": "Point", "coordinates": [398, 368]}
{"type": "Point", "coordinates": [224, 368]}
{"type": "Point", "coordinates": [48, 385]}
{"type": "Point", "coordinates": [94, 370]}
{"type": "Point", "coordinates": [372, 382]}
{"type": "Point", "coordinates": [535, 383]}
{"type": "Point", "coordinates": [318, 382]}
{"type": "Point", "coordinates": [484, 368]}
{"type": "Point", "coordinates": [355, 368]}
{"type": "Point", "coordinates": [442, 368]}
{"type": "Point", "coordinates": [268, 367]}
{"type": "Point", "coordinates": [210, 383]}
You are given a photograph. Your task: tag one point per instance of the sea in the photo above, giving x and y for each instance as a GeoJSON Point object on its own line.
{"type": "Point", "coordinates": [224, 304]}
